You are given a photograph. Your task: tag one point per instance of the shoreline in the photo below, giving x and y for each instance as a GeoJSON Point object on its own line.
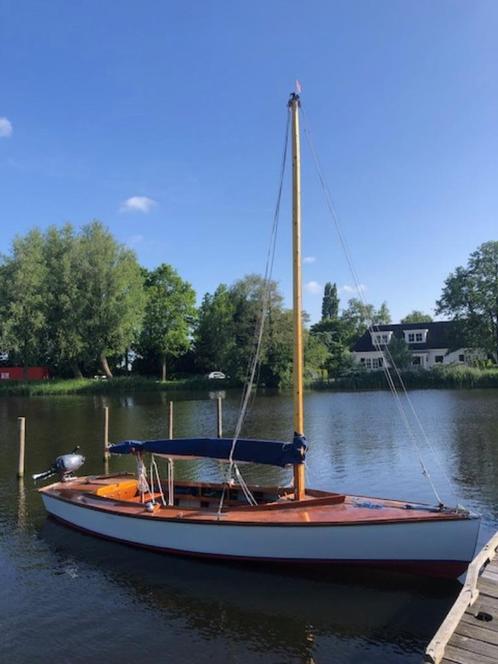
{"type": "Point", "coordinates": [441, 378]}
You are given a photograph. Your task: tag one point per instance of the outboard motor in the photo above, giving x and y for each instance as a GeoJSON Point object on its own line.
{"type": "Point", "coordinates": [65, 465]}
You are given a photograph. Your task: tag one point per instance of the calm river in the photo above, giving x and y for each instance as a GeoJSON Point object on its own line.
{"type": "Point", "coordinates": [70, 598]}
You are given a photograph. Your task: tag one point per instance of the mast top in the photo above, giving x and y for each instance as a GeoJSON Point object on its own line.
{"type": "Point", "coordinates": [294, 97]}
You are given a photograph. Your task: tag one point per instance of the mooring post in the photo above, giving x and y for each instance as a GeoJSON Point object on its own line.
{"type": "Point", "coordinates": [106, 433]}
{"type": "Point", "coordinates": [219, 416]}
{"type": "Point", "coordinates": [170, 419]}
{"type": "Point", "coordinates": [21, 428]}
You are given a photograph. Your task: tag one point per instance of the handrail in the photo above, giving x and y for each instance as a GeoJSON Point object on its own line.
{"type": "Point", "coordinates": [467, 597]}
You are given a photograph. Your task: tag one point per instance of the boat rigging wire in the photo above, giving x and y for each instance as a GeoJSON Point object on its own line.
{"type": "Point", "coordinates": [386, 353]}
{"type": "Point", "coordinates": [255, 360]}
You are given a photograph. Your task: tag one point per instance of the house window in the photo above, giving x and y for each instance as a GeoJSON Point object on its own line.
{"type": "Point", "coordinates": [381, 338]}
{"type": "Point", "coordinates": [416, 336]}
{"type": "Point", "coordinates": [461, 358]}
{"type": "Point", "coordinates": [4, 375]}
{"type": "Point", "coordinates": [416, 361]}
{"type": "Point", "coordinates": [439, 359]}
{"type": "Point", "coordinates": [372, 362]}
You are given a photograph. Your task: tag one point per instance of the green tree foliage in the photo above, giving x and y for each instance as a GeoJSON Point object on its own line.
{"type": "Point", "coordinates": [382, 316]}
{"type": "Point", "coordinates": [64, 341]}
{"type": "Point", "coordinates": [23, 298]}
{"type": "Point", "coordinates": [358, 316]}
{"type": "Point", "coordinates": [400, 352]}
{"type": "Point", "coordinates": [113, 297]}
{"type": "Point", "coordinates": [169, 315]}
{"type": "Point", "coordinates": [69, 299]}
{"type": "Point", "coordinates": [416, 316]}
{"type": "Point", "coordinates": [335, 335]}
{"type": "Point", "coordinates": [214, 337]}
{"type": "Point", "coordinates": [470, 294]}
{"type": "Point", "coordinates": [225, 338]}
{"type": "Point", "coordinates": [330, 302]}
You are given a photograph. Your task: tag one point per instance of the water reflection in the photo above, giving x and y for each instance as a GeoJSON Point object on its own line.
{"type": "Point", "coordinates": [270, 612]}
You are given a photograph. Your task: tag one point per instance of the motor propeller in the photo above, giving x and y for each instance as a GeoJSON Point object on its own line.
{"type": "Point", "coordinates": [65, 465]}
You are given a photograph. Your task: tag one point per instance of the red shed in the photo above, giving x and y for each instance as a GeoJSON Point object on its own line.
{"type": "Point", "coordinates": [17, 373]}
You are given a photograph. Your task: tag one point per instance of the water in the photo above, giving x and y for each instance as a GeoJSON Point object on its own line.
{"type": "Point", "coordinates": [75, 598]}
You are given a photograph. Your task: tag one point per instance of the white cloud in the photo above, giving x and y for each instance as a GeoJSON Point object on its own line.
{"type": "Point", "coordinates": [5, 128]}
{"type": "Point", "coordinates": [138, 204]}
{"type": "Point", "coordinates": [352, 290]}
{"type": "Point", "coordinates": [313, 287]}
{"type": "Point", "coordinates": [309, 259]}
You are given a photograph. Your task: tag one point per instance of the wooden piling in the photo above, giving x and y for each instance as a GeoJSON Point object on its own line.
{"type": "Point", "coordinates": [219, 417]}
{"type": "Point", "coordinates": [21, 428]}
{"type": "Point", "coordinates": [106, 433]}
{"type": "Point", "coordinates": [170, 419]}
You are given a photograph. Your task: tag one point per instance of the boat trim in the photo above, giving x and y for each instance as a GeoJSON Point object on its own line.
{"type": "Point", "coordinates": [221, 522]}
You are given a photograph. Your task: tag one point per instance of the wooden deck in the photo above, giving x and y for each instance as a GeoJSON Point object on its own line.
{"type": "Point", "coordinates": [317, 507]}
{"type": "Point", "coordinates": [469, 633]}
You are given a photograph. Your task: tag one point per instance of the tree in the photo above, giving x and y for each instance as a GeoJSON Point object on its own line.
{"type": "Point", "coordinates": [111, 288]}
{"type": "Point", "coordinates": [382, 316]}
{"type": "Point", "coordinates": [399, 352]}
{"type": "Point", "coordinates": [247, 297]}
{"type": "Point", "coordinates": [470, 295]}
{"type": "Point", "coordinates": [226, 333]}
{"type": "Point", "coordinates": [63, 305]}
{"type": "Point", "coordinates": [359, 316]}
{"type": "Point", "coordinates": [417, 316]}
{"type": "Point", "coordinates": [214, 336]}
{"type": "Point", "coordinates": [316, 355]}
{"type": "Point", "coordinates": [169, 314]}
{"type": "Point", "coordinates": [330, 302]}
{"type": "Point", "coordinates": [23, 299]}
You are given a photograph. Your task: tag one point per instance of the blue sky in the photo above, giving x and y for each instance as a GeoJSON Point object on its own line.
{"type": "Point", "coordinates": [181, 107]}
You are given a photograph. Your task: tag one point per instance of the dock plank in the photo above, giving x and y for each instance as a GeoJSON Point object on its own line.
{"type": "Point", "coordinates": [460, 656]}
{"type": "Point", "coordinates": [475, 631]}
{"type": "Point", "coordinates": [489, 590]}
{"type": "Point", "coordinates": [469, 618]}
{"type": "Point", "coordinates": [462, 637]}
{"type": "Point", "coordinates": [489, 575]}
{"type": "Point", "coordinates": [475, 646]}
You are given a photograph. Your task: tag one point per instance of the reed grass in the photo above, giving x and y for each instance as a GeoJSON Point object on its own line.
{"type": "Point", "coordinates": [451, 377]}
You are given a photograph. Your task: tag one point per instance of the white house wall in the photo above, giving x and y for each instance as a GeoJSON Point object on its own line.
{"type": "Point", "coordinates": [428, 356]}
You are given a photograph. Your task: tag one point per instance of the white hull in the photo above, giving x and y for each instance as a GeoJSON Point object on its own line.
{"type": "Point", "coordinates": [442, 543]}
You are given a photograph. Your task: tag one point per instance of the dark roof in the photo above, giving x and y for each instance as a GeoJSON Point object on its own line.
{"type": "Point", "coordinates": [441, 334]}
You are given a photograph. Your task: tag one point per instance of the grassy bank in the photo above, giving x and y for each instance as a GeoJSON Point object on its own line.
{"type": "Point", "coordinates": [438, 378]}
{"type": "Point", "coordinates": [457, 377]}
{"type": "Point", "coordinates": [116, 385]}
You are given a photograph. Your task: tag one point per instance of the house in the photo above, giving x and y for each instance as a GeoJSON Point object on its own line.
{"type": "Point", "coordinates": [431, 344]}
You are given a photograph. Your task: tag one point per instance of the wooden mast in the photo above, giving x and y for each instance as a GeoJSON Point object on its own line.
{"type": "Point", "coordinates": [299, 487]}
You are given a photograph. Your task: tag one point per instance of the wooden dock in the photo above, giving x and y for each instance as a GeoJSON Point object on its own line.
{"type": "Point", "coordinates": [469, 633]}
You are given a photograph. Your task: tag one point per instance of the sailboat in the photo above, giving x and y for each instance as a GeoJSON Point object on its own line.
{"type": "Point", "coordinates": [233, 521]}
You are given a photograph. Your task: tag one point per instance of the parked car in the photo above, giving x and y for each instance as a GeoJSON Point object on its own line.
{"type": "Point", "coordinates": [218, 375]}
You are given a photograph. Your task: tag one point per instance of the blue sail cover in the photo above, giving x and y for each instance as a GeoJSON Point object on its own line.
{"type": "Point", "coordinates": [270, 452]}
